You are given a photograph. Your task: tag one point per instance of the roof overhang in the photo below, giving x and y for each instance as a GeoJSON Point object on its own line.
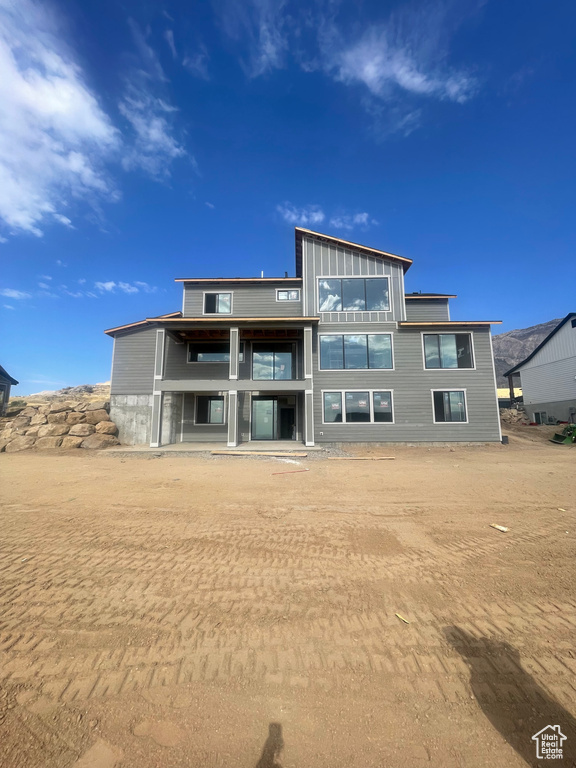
{"type": "Point", "coordinates": [204, 280]}
{"type": "Point", "coordinates": [516, 369]}
{"type": "Point", "coordinates": [429, 296]}
{"type": "Point", "coordinates": [176, 320]}
{"type": "Point", "coordinates": [300, 233]}
{"type": "Point", "coordinates": [445, 323]}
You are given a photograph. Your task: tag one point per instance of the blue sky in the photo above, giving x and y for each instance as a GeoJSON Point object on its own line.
{"type": "Point", "coordinates": [144, 141]}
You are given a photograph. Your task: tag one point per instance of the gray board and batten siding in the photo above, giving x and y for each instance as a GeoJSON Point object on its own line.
{"type": "Point", "coordinates": [411, 385]}
{"type": "Point", "coordinates": [427, 309]}
{"type": "Point", "coordinates": [253, 300]}
{"type": "Point", "coordinates": [322, 259]}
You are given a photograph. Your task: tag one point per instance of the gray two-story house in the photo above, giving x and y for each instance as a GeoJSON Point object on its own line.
{"type": "Point", "coordinates": [338, 353]}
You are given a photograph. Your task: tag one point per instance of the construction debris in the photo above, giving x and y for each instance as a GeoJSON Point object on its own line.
{"type": "Point", "coordinates": [258, 453]}
{"type": "Point", "coordinates": [290, 471]}
{"type": "Point", "coordinates": [402, 618]}
{"type": "Point", "coordinates": [499, 527]}
{"type": "Point", "coordinates": [361, 458]}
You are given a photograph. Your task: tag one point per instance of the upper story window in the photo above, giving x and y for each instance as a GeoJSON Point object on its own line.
{"type": "Point", "coordinates": [212, 352]}
{"type": "Point", "coordinates": [353, 294]}
{"type": "Point", "coordinates": [355, 351]}
{"type": "Point", "coordinates": [448, 350]}
{"type": "Point", "coordinates": [291, 295]}
{"type": "Point", "coordinates": [217, 303]}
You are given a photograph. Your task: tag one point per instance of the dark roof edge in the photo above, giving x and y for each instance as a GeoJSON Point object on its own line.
{"type": "Point", "coordinates": [430, 296]}
{"type": "Point", "coordinates": [146, 321]}
{"type": "Point", "coordinates": [5, 375]}
{"type": "Point", "coordinates": [542, 343]}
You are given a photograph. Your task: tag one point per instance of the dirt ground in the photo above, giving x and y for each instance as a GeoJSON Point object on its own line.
{"type": "Point", "coordinates": [208, 612]}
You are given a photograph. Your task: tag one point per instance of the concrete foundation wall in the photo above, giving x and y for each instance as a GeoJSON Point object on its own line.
{"type": "Point", "coordinates": [171, 418]}
{"type": "Point", "coordinates": [132, 414]}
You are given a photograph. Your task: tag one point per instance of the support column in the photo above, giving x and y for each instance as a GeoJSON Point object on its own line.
{"type": "Point", "coordinates": [511, 387]}
{"type": "Point", "coordinates": [157, 395]}
{"type": "Point", "coordinates": [309, 417]}
{"type": "Point", "coordinates": [234, 353]}
{"type": "Point", "coordinates": [308, 353]}
{"type": "Point", "coordinates": [232, 418]}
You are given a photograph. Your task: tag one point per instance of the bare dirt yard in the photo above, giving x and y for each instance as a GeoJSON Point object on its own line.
{"type": "Point", "coordinates": [203, 611]}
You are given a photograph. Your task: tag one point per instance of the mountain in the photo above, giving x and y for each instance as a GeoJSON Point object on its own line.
{"type": "Point", "coordinates": [513, 347]}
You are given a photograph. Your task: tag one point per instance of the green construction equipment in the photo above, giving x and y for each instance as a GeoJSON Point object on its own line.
{"type": "Point", "coordinates": [566, 437]}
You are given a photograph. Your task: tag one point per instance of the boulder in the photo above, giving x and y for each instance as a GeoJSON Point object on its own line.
{"type": "Point", "coordinates": [94, 417]}
{"type": "Point", "coordinates": [64, 405]}
{"type": "Point", "coordinates": [100, 405]}
{"type": "Point", "coordinates": [33, 431]}
{"type": "Point", "coordinates": [21, 421]}
{"type": "Point", "coordinates": [71, 442]}
{"type": "Point", "coordinates": [7, 424]}
{"type": "Point", "coordinates": [28, 411]}
{"type": "Point", "coordinates": [53, 430]}
{"type": "Point", "coordinates": [57, 418]}
{"type": "Point", "coordinates": [43, 409]}
{"type": "Point", "coordinates": [82, 430]}
{"type": "Point", "coordinates": [100, 441]}
{"type": "Point", "coordinates": [106, 428]}
{"type": "Point", "coordinates": [3, 444]}
{"type": "Point", "coordinates": [45, 443]}
{"type": "Point", "coordinates": [7, 434]}
{"type": "Point", "coordinates": [75, 418]}
{"type": "Point", "coordinates": [80, 408]}
{"type": "Point", "coordinates": [39, 418]}
{"type": "Point", "coordinates": [22, 443]}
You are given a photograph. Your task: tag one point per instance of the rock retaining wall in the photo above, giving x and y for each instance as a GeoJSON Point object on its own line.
{"type": "Point", "coordinates": [64, 424]}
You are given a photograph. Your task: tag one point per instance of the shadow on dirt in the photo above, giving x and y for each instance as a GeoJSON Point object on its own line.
{"type": "Point", "coordinates": [272, 748]}
{"type": "Point", "coordinates": [516, 705]}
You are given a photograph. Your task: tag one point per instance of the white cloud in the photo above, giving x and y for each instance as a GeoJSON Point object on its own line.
{"type": "Point", "coordinates": [308, 215]}
{"type": "Point", "coordinates": [169, 37]}
{"type": "Point", "coordinates": [10, 293]}
{"type": "Point", "coordinates": [352, 221]}
{"type": "Point", "coordinates": [44, 277]}
{"type": "Point", "coordinates": [263, 23]}
{"type": "Point", "coordinates": [210, 205]}
{"type": "Point", "coordinates": [112, 286]}
{"type": "Point", "coordinates": [109, 286]}
{"type": "Point", "coordinates": [149, 115]}
{"type": "Point", "coordinates": [44, 286]}
{"type": "Point", "coordinates": [197, 63]}
{"type": "Point", "coordinates": [63, 220]}
{"type": "Point", "coordinates": [60, 263]}
{"type": "Point", "coordinates": [3, 239]}
{"type": "Point", "coordinates": [8, 306]}
{"type": "Point", "coordinates": [82, 281]}
{"type": "Point", "coordinates": [54, 136]}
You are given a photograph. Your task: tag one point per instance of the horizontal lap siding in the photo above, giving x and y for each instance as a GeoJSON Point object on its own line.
{"type": "Point", "coordinates": [202, 433]}
{"type": "Point", "coordinates": [423, 309]}
{"type": "Point", "coordinates": [247, 300]}
{"type": "Point", "coordinates": [549, 382]}
{"type": "Point", "coordinates": [325, 260]}
{"type": "Point", "coordinates": [133, 363]}
{"type": "Point", "coordinates": [412, 399]}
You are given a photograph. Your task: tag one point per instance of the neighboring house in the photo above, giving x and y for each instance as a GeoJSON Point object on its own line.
{"type": "Point", "coordinates": [338, 353]}
{"type": "Point", "coordinates": [6, 381]}
{"type": "Point", "coordinates": [548, 375]}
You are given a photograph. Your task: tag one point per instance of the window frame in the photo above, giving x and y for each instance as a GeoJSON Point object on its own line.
{"type": "Point", "coordinates": [214, 362]}
{"type": "Point", "coordinates": [263, 342]}
{"type": "Point", "coordinates": [453, 389]}
{"type": "Point", "coordinates": [352, 370]}
{"type": "Point", "coordinates": [287, 290]}
{"type": "Point", "coordinates": [448, 333]}
{"type": "Point", "coordinates": [353, 277]}
{"type": "Point", "coordinates": [222, 423]}
{"type": "Point", "coordinates": [370, 391]}
{"type": "Point", "coordinates": [217, 314]}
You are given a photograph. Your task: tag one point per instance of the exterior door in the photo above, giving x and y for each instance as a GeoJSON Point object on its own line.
{"type": "Point", "coordinates": [287, 423]}
{"type": "Point", "coordinates": [264, 418]}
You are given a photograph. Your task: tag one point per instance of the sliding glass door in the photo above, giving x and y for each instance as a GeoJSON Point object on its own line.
{"type": "Point", "coordinates": [264, 418]}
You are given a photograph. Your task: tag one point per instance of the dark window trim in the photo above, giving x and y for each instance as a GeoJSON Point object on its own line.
{"type": "Point", "coordinates": [459, 389]}
{"type": "Point", "coordinates": [217, 293]}
{"type": "Point", "coordinates": [210, 423]}
{"type": "Point", "coordinates": [368, 368]}
{"type": "Point", "coordinates": [370, 391]}
{"type": "Point", "coordinates": [472, 351]}
{"type": "Point", "coordinates": [353, 277]}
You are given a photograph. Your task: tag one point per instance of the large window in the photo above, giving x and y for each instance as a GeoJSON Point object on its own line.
{"type": "Point", "coordinates": [353, 407]}
{"type": "Point", "coordinates": [353, 294]}
{"type": "Point", "coordinates": [212, 352]}
{"type": "Point", "coordinates": [209, 409]}
{"type": "Point", "coordinates": [355, 351]}
{"type": "Point", "coordinates": [272, 361]}
{"type": "Point", "coordinates": [449, 405]}
{"type": "Point", "coordinates": [292, 295]}
{"type": "Point", "coordinates": [448, 350]}
{"type": "Point", "coordinates": [217, 303]}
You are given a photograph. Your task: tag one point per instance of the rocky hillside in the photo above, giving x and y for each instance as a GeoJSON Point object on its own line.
{"type": "Point", "coordinates": [512, 347]}
{"type": "Point", "coordinates": [84, 393]}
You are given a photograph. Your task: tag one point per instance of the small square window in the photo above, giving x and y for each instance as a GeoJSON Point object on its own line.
{"type": "Point", "coordinates": [209, 410]}
{"type": "Point", "coordinates": [449, 406]}
{"type": "Point", "coordinates": [292, 295]}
